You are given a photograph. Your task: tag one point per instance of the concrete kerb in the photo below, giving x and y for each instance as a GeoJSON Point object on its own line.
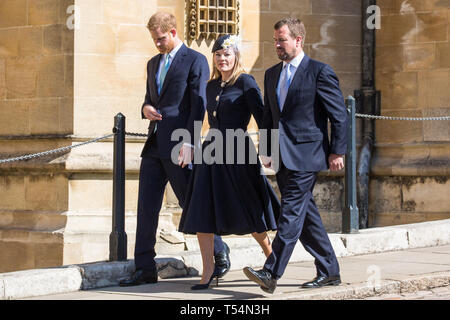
{"type": "Point", "coordinates": [106, 274]}
{"type": "Point", "coordinates": [37, 282]}
{"type": "Point", "coordinates": [29, 283]}
{"type": "Point", "coordinates": [428, 234]}
{"type": "Point", "coordinates": [407, 236]}
{"type": "Point", "coordinates": [364, 290]}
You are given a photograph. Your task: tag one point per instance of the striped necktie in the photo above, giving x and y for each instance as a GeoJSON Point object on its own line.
{"type": "Point", "coordinates": [284, 85]}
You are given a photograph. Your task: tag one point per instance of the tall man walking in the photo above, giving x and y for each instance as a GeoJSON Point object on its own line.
{"type": "Point", "coordinates": [300, 95]}
{"type": "Point", "coordinates": [175, 98]}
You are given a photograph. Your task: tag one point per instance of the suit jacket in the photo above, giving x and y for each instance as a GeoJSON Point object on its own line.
{"type": "Point", "coordinates": [313, 98]}
{"type": "Point", "coordinates": [181, 102]}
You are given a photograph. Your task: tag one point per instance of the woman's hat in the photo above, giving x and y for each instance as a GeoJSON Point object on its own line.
{"type": "Point", "coordinates": [226, 41]}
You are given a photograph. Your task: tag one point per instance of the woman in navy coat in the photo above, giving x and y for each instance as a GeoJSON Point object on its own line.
{"type": "Point", "coordinates": [227, 193]}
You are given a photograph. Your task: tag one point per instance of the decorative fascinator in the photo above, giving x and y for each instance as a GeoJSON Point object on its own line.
{"type": "Point", "coordinates": [227, 41]}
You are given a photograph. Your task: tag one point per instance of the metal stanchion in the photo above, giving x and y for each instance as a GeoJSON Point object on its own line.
{"type": "Point", "coordinates": [350, 214]}
{"type": "Point", "coordinates": [118, 237]}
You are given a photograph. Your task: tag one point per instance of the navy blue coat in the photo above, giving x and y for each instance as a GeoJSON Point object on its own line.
{"type": "Point", "coordinates": [313, 97]}
{"type": "Point", "coordinates": [181, 102]}
{"type": "Point", "coordinates": [228, 197]}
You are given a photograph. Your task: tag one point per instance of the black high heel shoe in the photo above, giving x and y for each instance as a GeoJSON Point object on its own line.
{"type": "Point", "coordinates": [206, 285]}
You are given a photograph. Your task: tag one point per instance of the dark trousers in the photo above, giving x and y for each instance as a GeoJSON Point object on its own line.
{"type": "Point", "coordinates": [300, 220]}
{"type": "Point", "coordinates": [153, 177]}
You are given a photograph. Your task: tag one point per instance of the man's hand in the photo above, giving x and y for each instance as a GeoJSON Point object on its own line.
{"type": "Point", "coordinates": [266, 161]}
{"type": "Point", "coordinates": [151, 113]}
{"type": "Point", "coordinates": [336, 162]}
{"type": "Point", "coordinates": [186, 155]}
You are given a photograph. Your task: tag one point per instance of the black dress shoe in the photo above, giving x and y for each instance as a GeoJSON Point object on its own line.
{"type": "Point", "coordinates": [140, 277]}
{"type": "Point", "coordinates": [263, 278]}
{"type": "Point", "coordinates": [222, 262]}
{"type": "Point", "coordinates": [321, 281]}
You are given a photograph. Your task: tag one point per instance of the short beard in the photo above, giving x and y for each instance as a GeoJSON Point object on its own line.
{"type": "Point", "coordinates": [285, 56]}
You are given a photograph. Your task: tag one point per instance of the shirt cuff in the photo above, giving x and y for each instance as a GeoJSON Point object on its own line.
{"type": "Point", "coordinates": [188, 144]}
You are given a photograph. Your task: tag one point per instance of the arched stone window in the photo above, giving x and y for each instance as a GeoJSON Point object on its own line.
{"type": "Point", "coordinates": [212, 18]}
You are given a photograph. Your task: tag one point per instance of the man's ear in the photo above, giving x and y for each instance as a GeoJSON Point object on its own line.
{"type": "Point", "coordinates": [173, 32]}
{"type": "Point", "coordinates": [299, 40]}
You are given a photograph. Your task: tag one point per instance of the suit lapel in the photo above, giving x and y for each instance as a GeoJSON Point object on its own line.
{"type": "Point", "coordinates": [273, 90]}
{"type": "Point", "coordinates": [179, 57]}
{"type": "Point", "coordinates": [152, 78]}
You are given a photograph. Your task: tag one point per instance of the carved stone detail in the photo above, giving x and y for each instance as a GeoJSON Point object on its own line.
{"type": "Point", "coordinates": [212, 18]}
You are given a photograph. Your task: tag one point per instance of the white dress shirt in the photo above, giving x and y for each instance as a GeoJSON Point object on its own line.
{"type": "Point", "coordinates": [163, 58]}
{"type": "Point", "coordinates": [294, 66]}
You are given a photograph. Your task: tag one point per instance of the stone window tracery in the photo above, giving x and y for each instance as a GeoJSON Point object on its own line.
{"type": "Point", "coordinates": [212, 18]}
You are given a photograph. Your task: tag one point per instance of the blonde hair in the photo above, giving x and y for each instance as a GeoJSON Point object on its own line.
{"type": "Point", "coordinates": [238, 68]}
{"type": "Point", "coordinates": [165, 21]}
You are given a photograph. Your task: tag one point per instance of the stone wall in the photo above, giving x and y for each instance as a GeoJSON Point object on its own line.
{"type": "Point", "coordinates": [36, 114]}
{"type": "Point", "coordinates": [413, 70]}
{"type": "Point", "coordinates": [412, 158]}
{"type": "Point", "coordinates": [61, 85]}
{"type": "Point", "coordinates": [36, 69]}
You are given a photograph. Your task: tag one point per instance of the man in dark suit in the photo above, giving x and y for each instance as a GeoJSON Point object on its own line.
{"type": "Point", "coordinates": [300, 95]}
{"type": "Point", "coordinates": [175, 98]}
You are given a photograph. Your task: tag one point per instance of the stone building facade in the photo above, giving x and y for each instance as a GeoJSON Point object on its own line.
{"type": "Point", "coordinates": [67, 67]}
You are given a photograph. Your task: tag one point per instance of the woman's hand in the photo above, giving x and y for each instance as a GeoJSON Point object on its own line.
{"type": "Point", "coordinates": [266, 161]}
{"type": "Point", "coordinates": [186, 155]}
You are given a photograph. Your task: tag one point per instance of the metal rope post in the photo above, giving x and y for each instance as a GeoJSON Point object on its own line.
{"type": "Point", "coordinates": [350, 219]}
{"type": "Point", "coordinates": [118, 237]}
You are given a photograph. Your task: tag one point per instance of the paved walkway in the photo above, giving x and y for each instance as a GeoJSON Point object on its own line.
{"type": "Point", "coordinates": [394, 274]}
{"type": "Point", "coordinates": [440, 293]}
